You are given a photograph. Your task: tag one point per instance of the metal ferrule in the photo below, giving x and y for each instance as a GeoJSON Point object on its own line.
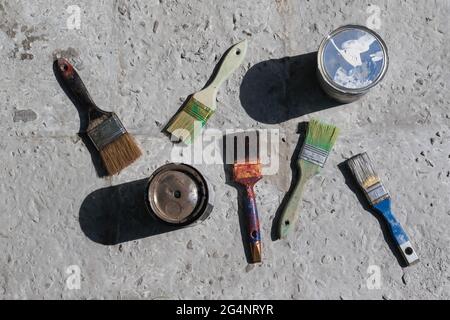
{"type": "Point", "coordinates": [313, 154]}
{"type": "Point", "coordinates": [376, 193]}
{"type": "Point", "coordinates": [198, 111]}
{"type": "Point", "coordinates": [106, 132]}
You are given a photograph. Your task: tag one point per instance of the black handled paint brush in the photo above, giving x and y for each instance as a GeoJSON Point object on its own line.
{"type": "Point", "coordinates": [187, 123]}
{"type": "Point", "coordinates": [319, 141]}
{"type": "Point", "coordinates": [378, 197]}
{"type": "Point", "coordinates": [116, 146]}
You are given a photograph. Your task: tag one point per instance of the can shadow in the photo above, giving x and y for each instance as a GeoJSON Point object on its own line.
{"type": "Point", "coordinates": [301, 130]}
{"type": "Point", "coordinates": [118, 214]}
{"type": "Point", "coordinates": [274, 91]}
{"type": "Point", "coordinates": [84, 121]}
{"type": "Point", "coordinates": [352, 184]}
{"type": "Point", "coordinates": [243, 224]}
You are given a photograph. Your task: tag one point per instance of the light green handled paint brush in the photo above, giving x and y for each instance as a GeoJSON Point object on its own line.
{"type": "Point", "coordinates": [319, 141]}
{"type": "Point", "coordinates": [188, 122]}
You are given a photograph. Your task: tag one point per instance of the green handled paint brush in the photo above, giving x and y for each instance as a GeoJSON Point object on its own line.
{"type": "Point", "coordinates": [186, 124]}
{"type": "Point", "coordinates": [319, 141]}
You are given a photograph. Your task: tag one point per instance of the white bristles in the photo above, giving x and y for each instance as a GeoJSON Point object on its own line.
{"type": "Point", "coordinates": [364, 173]}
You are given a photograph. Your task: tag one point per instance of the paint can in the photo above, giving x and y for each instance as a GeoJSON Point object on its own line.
{"type": "Point", "coordinates": [178, 195]}
{"type": "Point", "coordinates": [351, 60]}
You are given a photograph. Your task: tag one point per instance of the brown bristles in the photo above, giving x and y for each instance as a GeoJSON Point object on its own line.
{"type": "Point", "coordinates": [120, 153]}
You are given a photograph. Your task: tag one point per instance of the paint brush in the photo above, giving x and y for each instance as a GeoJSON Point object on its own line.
{"type": "Point", "coordinates": [379, 198]}
{"type": "Point", "coordinates": [319, 141]}
{"type": "Point", "coordinates": [187, 123]}
{"type": "Point", "coordinates": [116, 146]}
{"type": "Point", "coordinates": [247, 172]}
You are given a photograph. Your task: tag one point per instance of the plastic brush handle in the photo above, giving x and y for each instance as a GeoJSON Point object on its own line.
{"type": "Point", "coordinates": [72, 82]}
{"type": "Point", "coordinates": [289, 215]}
{"type": "Point", "coordinates": [399, 235]}
{"type": "Point", "coordinates": [251, 213]}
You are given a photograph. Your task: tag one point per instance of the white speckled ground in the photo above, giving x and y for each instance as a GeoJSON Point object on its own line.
{"type": "Point", "coordinates": [141, 59]}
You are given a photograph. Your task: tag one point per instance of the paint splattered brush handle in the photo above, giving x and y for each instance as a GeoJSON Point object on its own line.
{"type": "Point", "coordinates": [253, 231]}
{"type": "Point", "coordinates": [290, 214]}
{"type": "Point", "coordinates": [72, 82]}
{"type": "Point", "coordinates": [399, 235]}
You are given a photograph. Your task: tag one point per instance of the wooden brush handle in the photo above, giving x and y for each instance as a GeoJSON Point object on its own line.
{"type": "Point", "coordinates": [230, 62]}
{"type": "Point", "coordinates": [234, 57]}
{"type": "Point", "coordinates": [251, 213]}
{"type": "Point", "coordinates": [289, 215]}
{"type": "Point", "coordinates": [72, 82]}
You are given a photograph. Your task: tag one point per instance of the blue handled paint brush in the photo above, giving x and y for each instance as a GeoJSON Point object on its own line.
{"type": "Point", "coordinates": [378, 197]}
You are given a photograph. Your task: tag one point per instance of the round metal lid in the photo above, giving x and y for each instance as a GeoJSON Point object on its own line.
{"type": "Point", "coordinates": [352, 59]}
{"type": "Point", "coordinates": [177, 194]}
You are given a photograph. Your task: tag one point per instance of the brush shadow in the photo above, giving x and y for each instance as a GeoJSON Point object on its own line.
{"type": "Point", "coordinates": [84, 122]}
{"type": "Point", "coordinates": [352, 184]}
{"type": "Point", "coordinates": [118, 214]}
{"type": "Point", "coordinates": [243, 224]}
{"type": "Point", "coordinates": [274, 91]}
{"type": "Point", "coordinates": [301, 130]}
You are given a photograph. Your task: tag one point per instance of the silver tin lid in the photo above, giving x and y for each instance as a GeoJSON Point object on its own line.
{"type": "Point", "coordinates": [351, 60]}
{"type": "Point", "coordinates": [178, 195]}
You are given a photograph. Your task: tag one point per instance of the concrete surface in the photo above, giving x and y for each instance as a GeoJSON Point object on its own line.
{"type": "Point", "coordinates": [142, 59]}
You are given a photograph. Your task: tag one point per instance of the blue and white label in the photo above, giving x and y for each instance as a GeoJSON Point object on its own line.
{"type": "Point", "coordinates": [353, 58]}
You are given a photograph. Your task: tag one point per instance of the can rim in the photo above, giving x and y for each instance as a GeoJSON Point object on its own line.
{"type": "Point", "coordinates": [324, 74]}
{"type": "Point", "coordinates": [203, 203]}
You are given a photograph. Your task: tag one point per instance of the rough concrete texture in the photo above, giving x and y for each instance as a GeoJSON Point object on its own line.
{"type": "Point", "coordinates": [142, 59]}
